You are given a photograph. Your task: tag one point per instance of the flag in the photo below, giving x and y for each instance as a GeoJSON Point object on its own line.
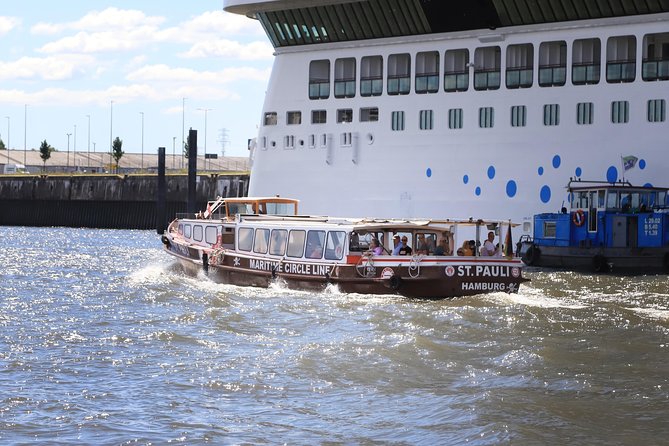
{"type": "Point", "coordinates": [629, 162]}
{"type": "Point", "coordinates": [508, 249]}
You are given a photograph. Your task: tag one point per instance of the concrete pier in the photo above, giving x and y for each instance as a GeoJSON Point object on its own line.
{"type": "Point", "coordinates": [106, 201]}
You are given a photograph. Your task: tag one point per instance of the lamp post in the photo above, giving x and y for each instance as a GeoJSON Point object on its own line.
{"type": "Point", "coordinates": [111, 127]}
{"type": "Point", "coordinates": [74, 149]}
{"type": "Point", "coordinates": [25, 136]}
{"type": "Point", "coordinates": [68, 151]}
{"type": "Point", "coordinates": [89, 141]}
{"type": "Point", "coordinates": [142, 113]}
{"type": "Point", "coordinates": [183, 128]}
{"type": "Point", "coordinates": [205, 110]}
{"type": "Point", "coordinates": [8, 146]}
{"type": "Point", "coordinates": [174, 144]}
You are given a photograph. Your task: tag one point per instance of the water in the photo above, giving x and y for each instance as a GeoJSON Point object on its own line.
{"type": "Point", "coordinates": [104, 341]}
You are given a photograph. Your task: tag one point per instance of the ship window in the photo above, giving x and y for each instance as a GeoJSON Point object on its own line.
{"type": "Point", "coordinates": [334, 248]}
{"type": "Point", "coordinates": [656, 57]}
{"type": "Point", "coordinates": [344, 84]}
{"type": "Point", "coordinates": [620, 112]}
{"type": "Point", "coordinates": [486, 117]}
{"type": "Point", "coordinates": [552, 114]}
{"type": "Point", "coordinates": [345, 115]}
{"type": "Point", "coordinates": [427, 72]}
{"type": "Point", "coordinates": [324, 140]}
{"type": "Point", "coordinates": [263, 143]}
{"type": "Point", "coordinates": [369, 114]}
{"type": "Point", "coordinates": [518, 116]}
{"type": "Point", "coordinates": [270, 118]}
{"type": "Point", "coordinates": [519, 65]}
{"type": "Point", "coordinates": [585, 113]}
{"type": "Point", "coordinates": [296, 243]}
{"type": "Point", "coordinates": [552, 63]}
{"type": "Point", "coordinates": [612, 200]}
{"type": "Point", "coordinates": [245, 239]}
{"type": "Point", "coordinates": [397, 120]}
{"type": "Point", "coordinates": [294, 117]}
{"type": "Point", "coordinates": [456, 70]}
{"type": "Point", "coordinates": [399, 74]}
{"type": "Point", "coordinates": [550, 229]}
{"type": "Point", "coordinates": [181, 229]}
{"type": "Point", "coordinates": [319, 116]}
{"type": "Point", "coordinates": [426, 119]}
{"type": "Point", "coordinates": [487, 68]}
{"type": "Point", "coordinates": [586, 61]}
{"type": "Point", "coordinates": [262, 240]}
{"type": "Point", "coordinates": [455, 118]}
{"type": "Point", "coordinates": [289, 142]}
{"type": "Point", "coordinates": [319, 79]}
{"type": "Point", "coordinates": [210, 234]}
{"type": "Point", "coordinates": [656, 110]}
{"type": "Point", "coordinates": [187, 230]}
{"type": "Point", "coordinates": [346, 139]}
{"type": "Point", "coordinates": [315, 242]}
{"type": "Point", "coordinates": [312, 141]}
{"type": "Point", "coordinates": [371, 76]}
{"type": "Point", "coordinates": [277, 245]}
{"type": "Point", "coordinates": [197, 233]}
{"type": "Point", "coordinates": [621, 59]}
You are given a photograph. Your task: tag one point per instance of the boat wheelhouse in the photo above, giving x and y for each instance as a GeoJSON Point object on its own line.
{"type": "Point", "coordinates": [479, 107]}
{"type": "Point", "coordinates": [609, 227]}
{"type": "Point", "coordinates": [256, 241]}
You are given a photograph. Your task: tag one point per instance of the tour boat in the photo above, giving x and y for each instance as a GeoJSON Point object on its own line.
{"type": "Point", "coordinates": [480, 108]}
{"type": "Point", "coordinates": [257, 241]}
{"type": "Point", "coordinates": [613, 227]}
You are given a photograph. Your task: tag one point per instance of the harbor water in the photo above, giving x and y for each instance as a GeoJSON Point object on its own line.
{"type": "Point", "coordinates": [103, 340]}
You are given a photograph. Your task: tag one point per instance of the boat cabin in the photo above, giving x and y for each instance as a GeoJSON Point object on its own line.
{"type": "Point", "coordinates": [611, 215]}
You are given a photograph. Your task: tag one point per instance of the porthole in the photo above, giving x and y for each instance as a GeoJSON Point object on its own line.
{"type": "Point", "coordinates": [370, 138]}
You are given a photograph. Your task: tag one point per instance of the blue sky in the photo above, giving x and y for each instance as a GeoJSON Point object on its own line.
{"type": "Point", "coordinates": [114, 60]}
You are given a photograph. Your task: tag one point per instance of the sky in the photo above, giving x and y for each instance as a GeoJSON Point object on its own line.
{"type": "Point", "coordinates": [115, 63]}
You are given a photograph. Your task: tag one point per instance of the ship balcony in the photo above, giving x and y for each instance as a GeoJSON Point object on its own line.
{"type": "Point", "coordinates": [552, 75]}
{"type": "Point", "coordinates": [620, 71]}
{"type": "Point", "coordinates": [487, 79]}
{"type": "Point", "coordinates": [655, 69]}
{"type": "Point", "coordinates": [427, 83]}
{"type": "Point", "coordinates": [319, 89]}
{"type": "Point", "coordinates": [371, 86]}
{"type": "Point", "coordinates": [456, 81]}
{"type": "Point", "coordinates": [344, 88]}
{"type": "Point", "coordinates": [399, 84]}
{"type": "Point", "coordinates": [585, 73]}
{"type": "Point", "coordinates": [519, 77]}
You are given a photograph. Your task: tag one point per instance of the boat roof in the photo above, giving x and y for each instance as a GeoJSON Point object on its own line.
{"type": "Point", "coordinates": [585, 185]}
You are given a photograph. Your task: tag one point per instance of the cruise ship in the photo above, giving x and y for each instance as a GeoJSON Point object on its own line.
{"type": "Point", "coordinates": [483, 108]}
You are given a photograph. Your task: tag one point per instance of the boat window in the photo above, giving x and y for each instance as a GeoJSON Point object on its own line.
{"type": "Point", "coordinates": [245, 239]}
{"type": "Point", "coordinates": [280, 209]}
{"type": "Point", "coordinates": [262, 241]}
{"type": "Point", "coordinates": [662, 200]}
{"type": "Point", "coordinates": [361, 241]}
{"type": "Point", "coordinates": [551, 114]}
{"type": "Point", "coordinates": [319, 79]}
{"type": "Point", "coordinates": [657, 110]}
{"type": "Point", "coordinates": [270, 118]}
{"type": "Point", "coordinates": [620, 112]}
{"type": "Point", "coordinates": [397, 120]}
{"type": "Point", "coordinates": [197, 233]}
{"type": "Point", "coordinates": [399, 74]}
{"type": "Point", "coordinates": [427, 72]}
{"type": "Point", "coordinates": [187, 230]}
{"type": "Point", "coordinates": [426, 243]}
{"type": "Point", "coordinates": [612, 200]}
{"type": "Point", "coordinates": [181, 229]}
{"type": "Point", "coordinates": [371, 76]}
{"type": "Point", "coordinates": [552, 63]}
{"type": "Point", "coordinates": [277, 246]}
{"type": "Point", "coordinates": [296, 243]}
{"type": "Point", "coordinates": [518, 116]}
{"type": "Point", "coordinates": [487, 66]}
{"type": "Point", "coordinates": [345, 115]}
{"type": "Point", "coordinates": [294, 117]}
{"type": "Point", "coordinates": [456, 70]}
{"type": "Point", "coordinates": [334, 249]}
{"type": "Point", "coordinates": [550, 229]}
{"type": "Point", "coordinates": [344, 84]}
{"type": "Point", "coordinates": [369, 114]}
{"type": "Point", "coordinates": [486, 117]}
{"type": "Point", "coordinates": [600, 198]}
{"type": "Point", "coordinates": [240, 208]}
{"type": "Point", "coordinates": [621, 59]}
{"type": "Point", "coordinates": [585, 113]}
{"type": "Point", "coordinates": [519, 65]}
{"type": "Point", "coordinates": [455, 118]}
{"type": "Point", "coordinates": [579, 200]}
{"type": "Point", "coordinates": [586, 61]}
{"type": "Point", "coordinates": [210, 234]}
{"type": "Point", "coordinates": [319, 116]}
{"type": "Point", "coordinates": [315, 242]}
{"type": "Point", "coordinates": [655, 57]}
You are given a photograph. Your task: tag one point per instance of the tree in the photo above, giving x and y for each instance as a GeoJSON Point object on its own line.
{"type": "Point", "coordinates": [45, 152]}
{"type": "Point", "coordinates": [2, 145]}
{"type": "Point", "coordinates": [117, 153]}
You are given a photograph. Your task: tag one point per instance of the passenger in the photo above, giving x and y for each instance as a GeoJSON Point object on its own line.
{"type": "Point", "coordinates": [489, 248]}
{"type": "Point", "coordinates": [431, 245]}
{"type": "Point", "coordinates": [443, 249]}
{"type": "Point", "coordinates": [375, 248]}
{"type": "Point", "coordinates": [421, 245]}
{"type": "Point", "coordinates": [397, 245]}
{"type": "Point", "coordinates": [405, 250]}
{"type": "Point", "coordinates": [466, 249]}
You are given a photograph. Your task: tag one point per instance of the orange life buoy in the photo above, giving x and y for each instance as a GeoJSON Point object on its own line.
{"type": "Point", "coordinates": [578, 218]}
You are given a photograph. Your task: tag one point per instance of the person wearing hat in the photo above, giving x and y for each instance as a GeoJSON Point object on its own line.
{"type": "Point", "coordinates": [397, 245]}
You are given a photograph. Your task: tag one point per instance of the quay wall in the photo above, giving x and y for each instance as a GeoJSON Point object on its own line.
{"type": "Point", "coordinates": [106, 201]}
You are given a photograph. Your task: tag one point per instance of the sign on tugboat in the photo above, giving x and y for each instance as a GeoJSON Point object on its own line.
{"type": "Point", "coordinates": [255, 241]}
{"type": "Point", "coordinates": [610, 227]}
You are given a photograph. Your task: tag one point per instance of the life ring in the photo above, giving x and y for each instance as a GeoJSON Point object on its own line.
{"type": "Point", "coordinates": [531, 255]}
{"type": "Point", "coordinates": [599, 264]}
{"type": "Point", "coordinates": [395, 282]}
{"type": "Point", "coordinates": [578, 217]}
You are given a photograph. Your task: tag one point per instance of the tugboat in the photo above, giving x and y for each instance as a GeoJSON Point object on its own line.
{"type": "Point", "coordinates": [256, 241]}
{"type": "Point", "coordinates": [610, 227]}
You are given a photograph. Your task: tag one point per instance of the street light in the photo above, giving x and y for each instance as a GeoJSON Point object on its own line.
{"type": "Point", "coordinates": [25, 136]}
{"type": "Point", "coordinates": [68, 151]}
{"type": "Point", "coordinates": [174, 144]}
{"type": "Point", "coordinates": [142, 113]}
{"type": "Point", "coordinates": [8, 146]}
{"type": "Point", "coordinates": [74, 150]}
{"type": "Point", "coordinates": [205, 110]}
{"type": "Point", "coordinates": [111, 122]}
{"type": "Point", "coordinates": [183, 127]}
{"type": "Point", "coordinates": [89, 141]}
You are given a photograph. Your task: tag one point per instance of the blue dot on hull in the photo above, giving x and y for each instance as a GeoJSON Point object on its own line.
{"type": "Point", "coordinates": [511, 189]}
{"type": "Point", "coordinates": [556, 161]}
{"type": "Point", "coordinates": [545, 194]}
{"type": "Point", "coordinates": [491, 172]}
{"type": "Point", "coordinates": [612, 174]}
{"type": "Point", "coordinates": [428, 172]}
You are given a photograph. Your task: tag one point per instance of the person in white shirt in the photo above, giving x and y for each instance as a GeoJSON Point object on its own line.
{"type": "Point", "coordinates": [489, 248]}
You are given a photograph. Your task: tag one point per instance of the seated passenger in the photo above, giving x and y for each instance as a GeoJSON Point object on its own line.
{"type": "Point", "coordinates": [375, 248]}
{"type": "Point", "coordinates": [443, 249]}
{"type": "Point", "coordinates": [405, 250]}
{"type": "Point", "coordinates": [397, 245]}
{"type": "Point", "coordinates": [421, 245]}
{"type": "Point", "coordinates": [466, 249]}
{"type": "Point", "coordinates": [489, 248]}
